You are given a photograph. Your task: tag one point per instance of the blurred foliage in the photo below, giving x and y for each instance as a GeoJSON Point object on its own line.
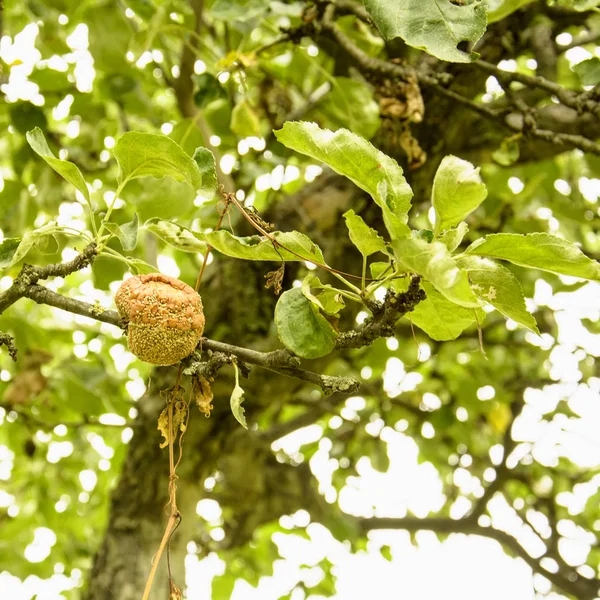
{"type": "Point", "coordinates": [68, 403]}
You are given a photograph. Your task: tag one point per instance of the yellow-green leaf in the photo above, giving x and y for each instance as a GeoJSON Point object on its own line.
{"type": "Point", "coordinates": [365, 238]}
{"type": "Point", "coordinates": [354, 157]}
{"type": "Point", "coordinates": [497, 286]}
{"type": "Point", "coordinates": [434, 262]}
{"type": "Point", "coordinates": [457, 191]}
{"type": "Point", "coordinates": [538, 251]}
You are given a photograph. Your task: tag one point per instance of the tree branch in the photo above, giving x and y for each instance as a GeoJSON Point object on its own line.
{"type": "Point", "coordinates": [30, 275]}
{"type": "Point", "coordinates": [581, 588]}
{"type": "Point", "coordinates": [9, 342]}
{"type": "Point", "coordinates": [184, 92]}
{"type": "Point", "coordinates": [279, 361]}
{"type": "Point", "coordinates": [584, 102]}
{"type": "Point", "coordinates": [569, 98]}
{"type": "Point", "coordinates": [385, 315]}
{"type": "Point", "coordinates": [284, 363]}
{"type": "Point", "coordinates": [502, 472]}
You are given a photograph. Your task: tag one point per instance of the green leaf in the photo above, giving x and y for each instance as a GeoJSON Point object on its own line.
{"type": "Point", "coordinates": [208, 89]}
{"type": "Point", "coordinates": [187, 134]}
{"type": "Point", "coordinates": [441, 319]}
{"type": "Point", "coordinates": [356, 158]}
{"type": "Point", "coordinates": [25, 116]}
{"type": "Point", "coordinates": [152, 155]}
{"type": "Point", "coordinates": [580, 5]}
{"type": "Point", "coordinates": [102, 19]}
{"type": "Point", "coordinates": [508, 152]}
{"type": "Point", "coordinates": [379, 456]}
{"type": "Point", "coordinates": [255, 247]}
{"type": "Point", "coordinates": [453, 237]}
{"type": "Point", "coordinates": [105, 270]}
{"type": "Point", "coordinates": [306, 283]}
{"type": "Point", "coordinates": [127, 233]}
{"type": "Point", "coordinates": [537, 251]}
{"type": "Point", "coordinates": [12, 253]}
{"type": "Point", "coordinates": [588, 71]}
{"type": "Point", "coordinates": [64, 168]}
{"type": "Point", "coordinates": [329, 300]}
{"type": "Point", "coordinates": [139, 266]}
{"type": "Point", "coordinates": [205, 160]}
{"type": "Point", "coordinates": [378, 268]}
{"type": "Point", "coordinates": [424, 234]}
{"type": "Point", "coordinates": [222, 587]}
{"type": "Point", "coordinates": [8, 247]}
{"type": "Point", "coordinates": [436, 26]}
{"type": "Point", "coordinates": [434, 262]}
{"type": "Point", "coordinates": [351, 103]}
{"type": "Point", "coordinates": [175, 235]}
{"type": "Point", "coordinates": [496, 285]}
{"type": "Point", "coordinates": [237, 397]}
{"type": "Point", "coordinates": [142, 40]}
{"type": "Point", "coordinates": [499, 9]}
{"type": "Point", "coordinates": [300, 326]}
{"type": "Point", "coordinates": [244, 120]}
{"type": "Point", "coordinates": [365, 238]}
{"type": "Point", "coordinates": [457, 191]}
{"type": "Point", "coordinates": [163, 199]}
{"type": "Point", "coordinates": [227, 10]}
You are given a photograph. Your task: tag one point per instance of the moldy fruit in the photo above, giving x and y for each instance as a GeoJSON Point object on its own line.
{"type": "Point", "coordinates": [165, 316]}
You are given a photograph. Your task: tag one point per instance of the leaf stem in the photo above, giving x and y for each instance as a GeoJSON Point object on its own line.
{"type": "Point", "coordinates": [379, 282]}
{"type": "Point", "coordinates": [350, 296]}
{"type": "Point", "coordinates": [274, 241]}
{"type": "Point", "coordinates": [118, 191]}
{"type": "Point", "coordinates": [364, 274]}
{"type": "Point", "coordinates": [114, 254]}
{"type": "Point", "coordinates": [345, 282]}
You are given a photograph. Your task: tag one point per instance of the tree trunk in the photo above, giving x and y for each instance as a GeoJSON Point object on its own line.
{"type": "Point", "coordinates": [254, 487]}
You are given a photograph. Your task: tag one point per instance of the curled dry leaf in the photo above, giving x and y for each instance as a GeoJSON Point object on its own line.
{"type": "Point", "coordinates": [174, 592]}
{"type": "Point", "coordinates": [179, 412]}
{"type": "Point", "coordinates": [256, 218]}
{"type": "Point", "coordinates": [203, 395]}
{"type": "Point", "coordinates": [275, 279]}
{"type": "Point", "coordinates": [237, 397]}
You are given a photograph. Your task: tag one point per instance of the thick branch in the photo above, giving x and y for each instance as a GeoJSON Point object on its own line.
{"type": "Point", "coordinates": [42, 295]}
{"type": "Point", "coordinates": [580, 102]}
{"type": "Point", "coordinates": [184, 92]}
{"type": "Point", "coordinates": [279, 361]}
{"type": "Point", "coordinates": [584, 589]}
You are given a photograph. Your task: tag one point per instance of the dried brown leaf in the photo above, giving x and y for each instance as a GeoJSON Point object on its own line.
{"type": "Point", "coordinates": [174, 592]}
{"type": "Point", "coordinates": [275, 279]}
{"type": "Point", "coordinates": [203, 395]}
{"type": "Point", "coordinates": [180, 411]}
